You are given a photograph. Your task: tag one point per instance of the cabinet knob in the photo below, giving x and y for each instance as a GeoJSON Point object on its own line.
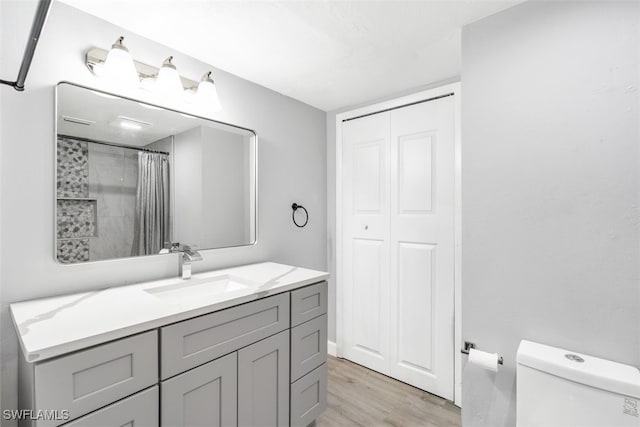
{"type": "Point", "coordinates": [366, 227]}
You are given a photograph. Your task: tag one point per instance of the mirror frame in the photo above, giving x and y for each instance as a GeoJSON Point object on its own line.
{"type": "Point", "coordinates": [55, 174]}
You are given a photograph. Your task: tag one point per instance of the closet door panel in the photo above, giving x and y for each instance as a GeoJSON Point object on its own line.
{"type": "Point", "coordinates": [422, 245]}
{"type": "Point", "coordinates": [366, 240]}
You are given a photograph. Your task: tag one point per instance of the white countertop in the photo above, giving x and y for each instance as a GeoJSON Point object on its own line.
{"type": "Point", "coordinates": [50, 327]}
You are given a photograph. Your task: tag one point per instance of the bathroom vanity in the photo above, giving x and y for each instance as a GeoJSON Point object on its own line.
{"type": "Point", "coordinates": [242, 346]}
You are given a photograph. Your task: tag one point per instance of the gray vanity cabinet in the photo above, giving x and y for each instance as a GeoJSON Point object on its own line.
{"type": "Point", "coordinates": [204, 396]}
{"type": "Point", "coordinates": [263, 382]}
{"type": "Point", "coordinates": [261, 363]}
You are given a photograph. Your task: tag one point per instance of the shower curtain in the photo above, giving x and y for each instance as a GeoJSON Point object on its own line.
{"type": "Point", "coordinates": [151, 226]}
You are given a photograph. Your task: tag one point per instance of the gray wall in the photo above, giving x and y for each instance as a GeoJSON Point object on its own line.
{"type": "Point", "coordinates": [292, 139]}
{"type": "Point", "coordinates": [225, 165]}
{"type": "Point", "coordinates": [187, 203]}
{"type": "Point", "coordinates": [550, 169]}
{"type": "Point", "coordinates": [211, 177]}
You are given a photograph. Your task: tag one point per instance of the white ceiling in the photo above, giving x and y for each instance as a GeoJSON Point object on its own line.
{"type": "Point", "coordinates": [329, 54]}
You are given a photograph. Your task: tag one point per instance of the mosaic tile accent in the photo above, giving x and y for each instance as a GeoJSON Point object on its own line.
{"type": "Point", "coordinates": [72, 168]}
{"type": "Point", "coordinates": [73, 251]}
{"type": "Point", "coordinates": [76, 218]}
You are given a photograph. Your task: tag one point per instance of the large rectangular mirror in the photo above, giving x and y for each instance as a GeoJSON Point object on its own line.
{"type": "Point", "coordinates": [131, 178]}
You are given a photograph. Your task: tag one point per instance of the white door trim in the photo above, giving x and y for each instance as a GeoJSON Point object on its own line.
{"type": "Point", "coordinates": [454, 88]}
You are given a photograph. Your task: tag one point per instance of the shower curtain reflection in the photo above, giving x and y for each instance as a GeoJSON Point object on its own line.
{"type": "Point", "coordinates": [151, 229]}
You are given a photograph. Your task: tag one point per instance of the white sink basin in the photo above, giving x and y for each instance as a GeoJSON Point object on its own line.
{"type": "Point", "coordinates": [188, 290]}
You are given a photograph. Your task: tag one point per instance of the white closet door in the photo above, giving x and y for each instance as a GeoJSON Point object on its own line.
{"type": "Point", "coordinates": [366, 240]}
{"type": "Point", "coordinates": [398, 243]}
{"type": "Point", "coordinates": [422, 246]}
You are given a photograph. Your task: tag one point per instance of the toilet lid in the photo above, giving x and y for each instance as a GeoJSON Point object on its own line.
{"type": "Point", "coordinates": [592, 371]}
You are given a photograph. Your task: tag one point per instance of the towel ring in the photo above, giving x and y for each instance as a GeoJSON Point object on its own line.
{"type": "Point", "coordinates": [295, 207]}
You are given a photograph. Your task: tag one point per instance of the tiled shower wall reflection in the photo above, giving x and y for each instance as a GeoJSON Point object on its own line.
{"type": "Point", "coordinates": [76, 217]}
{"type": "Point", "coordinates": [72, 168]}
{"type": "Point", "coordinates": [113, 176]}
{"type": "Point", "coordinates": [96, 200]}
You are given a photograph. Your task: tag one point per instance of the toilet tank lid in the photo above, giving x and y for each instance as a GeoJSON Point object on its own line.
{"type": "Point", "coordinates": [600, 373]}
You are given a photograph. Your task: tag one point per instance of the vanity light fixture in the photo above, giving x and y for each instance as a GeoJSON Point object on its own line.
{"type": "Point", "coordinates": [168, 80]}
{"type": "Point", "coordinates": [119, 67]}
{"type": "Point", "coordinates": [207, 94]}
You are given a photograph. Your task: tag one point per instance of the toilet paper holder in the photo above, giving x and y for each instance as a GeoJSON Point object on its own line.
{"type": "Point", "coordinates": [469, 345]}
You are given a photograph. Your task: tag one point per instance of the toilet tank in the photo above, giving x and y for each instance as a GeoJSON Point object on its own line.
{"type": "Point", "coordinates": [561, 388]}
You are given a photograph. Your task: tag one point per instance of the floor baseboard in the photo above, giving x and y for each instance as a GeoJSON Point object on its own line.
{"type": "Point", "coordinates": [331, 348]}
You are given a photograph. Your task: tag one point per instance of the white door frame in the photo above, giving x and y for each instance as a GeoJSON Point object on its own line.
{"type": "Point", "coordinates": [454, 88]}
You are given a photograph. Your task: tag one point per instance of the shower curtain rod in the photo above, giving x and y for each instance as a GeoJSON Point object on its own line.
{"type": "Point", "coordinates": [36, 28]}
{"type": "Point", "coordinates": [113, 144]}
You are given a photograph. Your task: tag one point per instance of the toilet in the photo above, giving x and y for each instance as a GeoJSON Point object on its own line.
{"type": "Point", "coordinates": [561, 388]}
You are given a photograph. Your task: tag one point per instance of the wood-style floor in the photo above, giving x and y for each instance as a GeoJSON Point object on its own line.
{"type": "Point", "coordinates": [358, 396]}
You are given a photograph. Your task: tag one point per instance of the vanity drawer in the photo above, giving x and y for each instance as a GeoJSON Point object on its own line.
{"type": "Point", "coordinates": [308, 346]}
{"type": "Point", "coordinates": [309, 397]}
{"type": "Point", "coordinates": [193, 342]}
{"type": "Point", "coordinates": [308, 302]}
{"type": "Point", "coordinates": [139, 410]}
{"type": "Point", "coordinates": [90, 379]}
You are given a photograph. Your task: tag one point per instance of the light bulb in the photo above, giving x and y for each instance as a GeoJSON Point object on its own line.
{"type": "Point", "coordinates": [119, 67]}
{"type": "Point", "coordinates": [207, 94]}
{"type": "Point", "coordinates": [168, 82]}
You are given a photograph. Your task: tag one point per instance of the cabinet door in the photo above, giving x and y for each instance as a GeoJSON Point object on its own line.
{"type": "Point", "coordinates": [206, 396]}
{"type": "Point", "coordinates": [263, 382]}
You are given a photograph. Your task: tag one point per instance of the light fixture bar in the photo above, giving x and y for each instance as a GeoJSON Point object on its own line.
{"type": "Point", "coordinates": [96, 57]}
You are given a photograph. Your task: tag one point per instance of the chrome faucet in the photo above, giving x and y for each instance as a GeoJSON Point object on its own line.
{"type": "Point", "coordinates": [188, 255]}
